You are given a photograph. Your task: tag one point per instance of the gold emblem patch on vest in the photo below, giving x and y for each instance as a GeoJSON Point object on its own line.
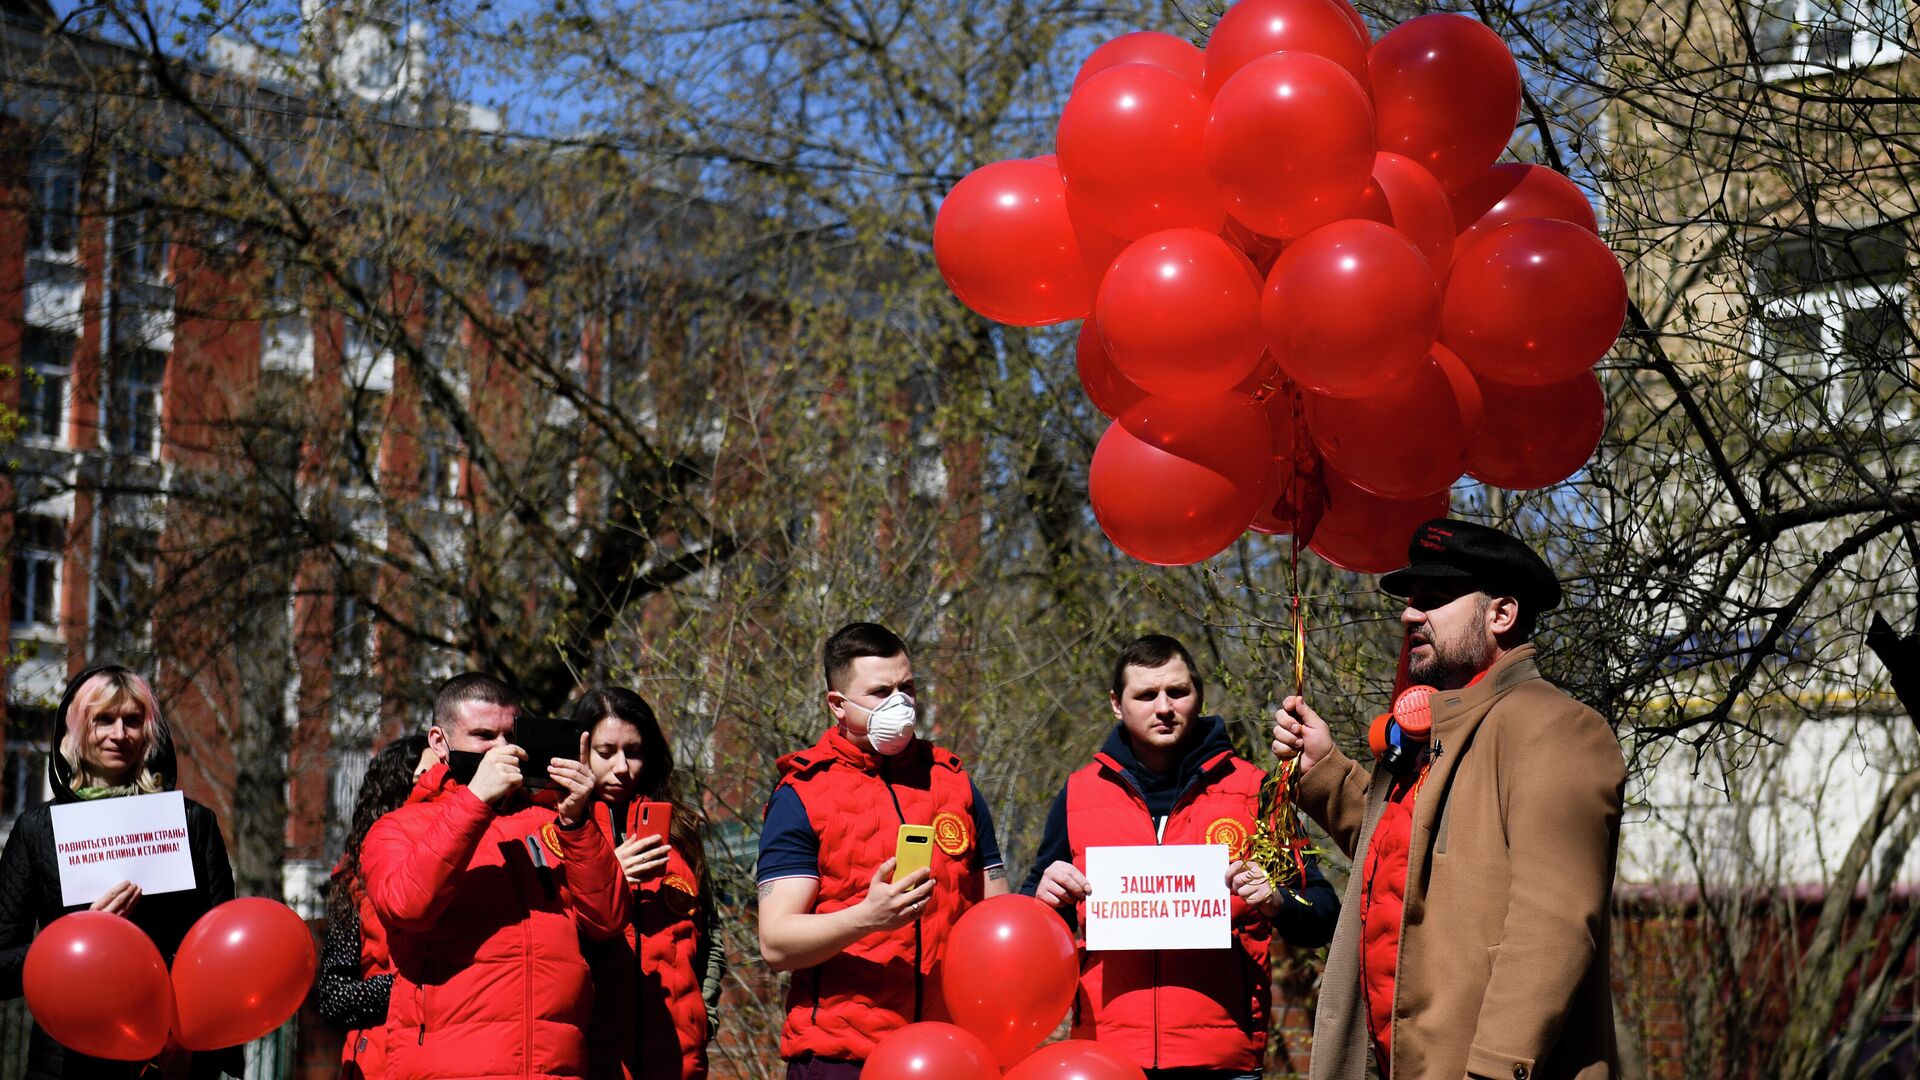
{"type": "Point", "coordinates": [953, 832]}
{"type": "Point", "coordinates": [680, 894]}
{"type": "Point", "coordinates": [550, 839]}
{"type": "Point", "coordinates": [1232, 833]}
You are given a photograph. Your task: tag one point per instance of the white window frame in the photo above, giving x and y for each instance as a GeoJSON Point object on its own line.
{"type": "Point", "coordinates": [51, 573]}
{"type": "Point", "coordinates": [1871, 44]}
{"type": "Point", "coordinates": [114, 575]}
{"type": "Point", "coordinates": [365, 425]}
{"type": "Point", "coordinates": [143, 248]}
{"type": "Point", "coordinates": [1830, 370]}
{"type": "Point", "coordinates": [120, 385]}
{"type": "Point", "coordinates": [48, 170]}
{"type": "Point", "coordinates": [37, 376]}
{"type": "Point", "coordinates": [440, 464]}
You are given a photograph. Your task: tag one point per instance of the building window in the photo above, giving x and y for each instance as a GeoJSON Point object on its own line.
{"type": "Point", "coordinates": [53, 191]}
{"type": "Point", "coordinates": [362, 306]}
{"type": "Point", "coordinates": [1795, 38]}
{"type": "Point", "coordinates": [367, 419]}
{"type": "Point", "coordinates": [139, 233]}
{"type": "Point", "coordinates": [133, 403]}
{"type": "Point", "coordinates": [23, 770]}
{"type": "Point", "coordinates": [123, 583]}
{"type": "Point", "coordinates": [439, 462]}
{"type": "Point", "coordinates": [507, 291]}
{"type": "Point", "coordinates": [352, 634]}
{"type": "Point", "coordinates": [38, 541]}
{"type": "Point", "coordinates": [46, 359]}
{"type": "Point", "coordinates": [1832, 345]}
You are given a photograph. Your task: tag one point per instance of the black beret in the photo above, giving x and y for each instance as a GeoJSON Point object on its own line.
{"type": "Point", "coordinates": [1460, 550]}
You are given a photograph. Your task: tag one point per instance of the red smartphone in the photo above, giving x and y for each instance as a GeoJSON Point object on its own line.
{"type": "Point", "coordinates": [649, 819]}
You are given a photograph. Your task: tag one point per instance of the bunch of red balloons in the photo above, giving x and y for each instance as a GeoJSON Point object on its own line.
{"type": "Point", "coordinates": [1008, 981]}
{"type": "Point", "coordinates": [96, 983]}
{"type": "Point", "coordinates": [1312, 299]}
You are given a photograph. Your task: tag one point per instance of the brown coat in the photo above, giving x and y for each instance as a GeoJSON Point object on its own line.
{"type": "Point", "coordinates": [1503, 947]}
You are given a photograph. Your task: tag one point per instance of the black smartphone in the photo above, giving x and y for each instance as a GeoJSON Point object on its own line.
{"type": "Point", "coordinates": [544, 739]}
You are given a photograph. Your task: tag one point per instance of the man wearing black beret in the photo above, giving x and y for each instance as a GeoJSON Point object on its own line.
{"type": "Point", "coordinates": [1473, 939]}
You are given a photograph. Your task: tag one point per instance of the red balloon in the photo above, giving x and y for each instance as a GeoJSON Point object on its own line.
{"type": "Point", "coordinates": [1508, 193]}
{"type": "Point", "coordinates": [1537, 436]}
{"type": "Point", "coordinates": [1010, 973]}
{"type": "Point", "coordinates": [1294, 496]}
{"type": "Point", "coordinates": [1174, 482]}
{"type": "Point", "coordinates": [1367, 534]}
{"type": "Point", "coordinates": [1098, 249]}
{"type": "Point", "coordinates": [1179, 312]}
{"type": "Point", "coordinates": [1253, 28]}
{"type": "Point", "coordinates": [1407, 440]}
{"type": "Point", "coordinates": [1290, 145]}
{"type": "Point", "coordinates": [1536, 302]}
{"type": "Point", "coordinates": [1129, 147]}
{"type": "Point", "coordinates": [241, 971]}
{"type": "Point", "coordinates": [1111, 392]}
{"type": "Point", "coordinates": [1076, 1059]}
{"type": "Point", "coordinates": [1260, 250]}
{"type": "Point", "coordinates": [1359, 21]}
{"type": "Point", "coordinates": [1448, 95]}
{"type": "Point", "coordinates": [1145, 47]}
{"type": "Point", "coordinates": [930, 1051]}
{"type": "Point", "coordinates": [1007, 248]}
{"type": "Point", "coordinates": [1407, 197]}
{"type": "Point", "coordinates": [1350, 306]}
{"type": "Point", "coordinates": [96, 983]}
{"type": "Point", "coordinates": [1265, 379]}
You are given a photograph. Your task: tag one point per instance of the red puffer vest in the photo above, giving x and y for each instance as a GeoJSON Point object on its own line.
{"type": "Point", "coordinates": [647, 990]}
{"type": "Point", "coordinates": [1383, 899]}
{"type": "Point", "coordinates": [856, 802]}
{"type": "Point", "coordinates": [484, 913]}
{"type": "Point", "coordinates": [1178, 1009]}
{"type": "Point", "coordinates": [1383, 903]}
{"type": "Point", "coordinates": [364, 1053]}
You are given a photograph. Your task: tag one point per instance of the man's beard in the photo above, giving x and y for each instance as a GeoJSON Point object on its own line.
{"type": "Point", "coordinates": [1448, 668]}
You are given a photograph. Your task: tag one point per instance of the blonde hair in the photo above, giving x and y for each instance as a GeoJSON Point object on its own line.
{"type": "Point", "coordinates": [104, 691]}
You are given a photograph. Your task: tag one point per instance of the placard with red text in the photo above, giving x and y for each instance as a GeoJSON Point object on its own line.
{"type": "Point", "coordinates": [1172, 897]}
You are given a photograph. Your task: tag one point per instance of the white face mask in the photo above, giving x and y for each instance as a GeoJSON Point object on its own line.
{"type": "Point", "coordinates": [890, 724]}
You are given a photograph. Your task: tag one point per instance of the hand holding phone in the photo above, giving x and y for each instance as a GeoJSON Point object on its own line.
{"type": "Point", "coordinates": [913, 850]}
{"type": "Point", "coordinates": [648, 818]}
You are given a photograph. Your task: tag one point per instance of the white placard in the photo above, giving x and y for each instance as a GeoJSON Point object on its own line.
{"type": "Point", "coordinates": [1172, 897]}
{"type": "Point", "coordinates": [139, 838]}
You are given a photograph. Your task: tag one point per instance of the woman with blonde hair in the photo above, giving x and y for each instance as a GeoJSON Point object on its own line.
{"type": "Point", "coordinates": [110, 740]}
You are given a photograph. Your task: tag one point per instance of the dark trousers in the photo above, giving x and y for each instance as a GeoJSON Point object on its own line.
{"type": "Point", "coordinates": [1199, 1074]}
{"type": "Point", "coordinates": [821, 1069]}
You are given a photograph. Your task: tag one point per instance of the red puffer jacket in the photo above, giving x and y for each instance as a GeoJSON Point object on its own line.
{"type": "Point", "coordinates": [1175, 1009]}
{"type": "Point", "coordinates": [484, 912]}
{"type": "Point", "coordinates": [647, 1000]}
{"type": "Point", "coordinates": [364, 1054]}
{"type": "Point", "coordinates": [857, 801]}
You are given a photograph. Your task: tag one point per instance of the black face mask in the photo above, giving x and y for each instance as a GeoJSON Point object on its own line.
{"type": "Point", "coordinates": [463, 764]}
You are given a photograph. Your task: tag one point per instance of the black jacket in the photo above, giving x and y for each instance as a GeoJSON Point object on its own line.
{"type": "Point", "coordinates": [30, 899]}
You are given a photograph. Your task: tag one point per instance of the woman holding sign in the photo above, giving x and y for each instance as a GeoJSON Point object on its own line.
{"type": "Point", "coordinates": [657, 991]}
{"type": "Point", "coordinates": [110, 741]}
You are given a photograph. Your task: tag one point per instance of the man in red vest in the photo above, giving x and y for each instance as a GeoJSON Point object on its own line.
{"type": "Point", "coordinates": [1168, 775]}
{"type": "Point", "coordinates": [1475, 936]}
{"type": "Point", "coordinates": [861, 946]}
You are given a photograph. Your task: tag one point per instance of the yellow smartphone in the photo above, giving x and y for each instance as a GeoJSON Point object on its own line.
{"type": "Point", "coordinates": [913, 850]}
